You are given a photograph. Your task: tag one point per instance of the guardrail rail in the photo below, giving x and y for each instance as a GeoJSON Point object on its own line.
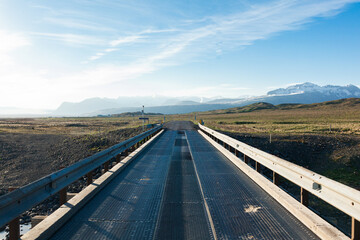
{"type": "Point", "coordinates": [16, 202]}
{"type": "Point", "coordinates": [342, 197]}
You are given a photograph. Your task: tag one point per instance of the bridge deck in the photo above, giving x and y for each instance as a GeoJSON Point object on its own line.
{"type": "Point", "coordinates": [158, 196]}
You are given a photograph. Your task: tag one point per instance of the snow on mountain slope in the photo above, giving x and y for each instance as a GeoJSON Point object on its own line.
{"type": "Point", "coordinates": [329, 90]}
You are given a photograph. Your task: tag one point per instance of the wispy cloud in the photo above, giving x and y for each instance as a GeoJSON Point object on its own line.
{"type": "Point", "coordinates": [150, 49]}
{"type": "Point", "coordinates": [219, 34]}
{"type": "Point", "coordinates": [116, 43]}
{"type": "Point", "coordinates": [78, 24]}
{"type": "Point", "coordinates": [70, 38]}
{"type": "Point", "coordinates": [140, 37]}
{"type": "Point", "coordinates": [124, 40]}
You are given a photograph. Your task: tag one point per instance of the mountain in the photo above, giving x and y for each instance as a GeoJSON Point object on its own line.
{"type": "Point", "coordinates": [329, 90]}
{"type": "Point", "coordinates": [310, 93]}
{"type": "Point", "coordinates": [93, 105]}
{"type": "Point", "coordinates": [86, 106]}
{"type": "Point", "coordinates": [305, 93]}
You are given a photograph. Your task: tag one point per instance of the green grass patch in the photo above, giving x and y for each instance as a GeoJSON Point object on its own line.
{"type": "Point", "coordinates": [347, 176]}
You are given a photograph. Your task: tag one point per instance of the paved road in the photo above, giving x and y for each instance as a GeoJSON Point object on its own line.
{"type": "Point", "coordinates": [159, 196]}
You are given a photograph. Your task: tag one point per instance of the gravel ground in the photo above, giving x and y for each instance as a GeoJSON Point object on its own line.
{"type": "Point", "coordinates": [25, 158]}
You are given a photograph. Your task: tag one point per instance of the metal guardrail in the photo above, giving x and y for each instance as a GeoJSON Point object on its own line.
{"type": "Point", "coordinates": [20, 200]}
{"type": "Point", "coordinates": [338, 195]}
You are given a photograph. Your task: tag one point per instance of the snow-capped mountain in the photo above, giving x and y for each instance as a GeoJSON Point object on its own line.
{"type": "Point", "coordinates": [300, 93]}
{"type": "Point", "coordinates": [329, 90]}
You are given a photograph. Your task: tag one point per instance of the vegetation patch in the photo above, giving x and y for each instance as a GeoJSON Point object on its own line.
{"type": "Point", "coordinates": [289, 122]}
{"type": "Point", "coordinates": [244, 122]}
{"type": "Point", "coordinates": [75, 125]}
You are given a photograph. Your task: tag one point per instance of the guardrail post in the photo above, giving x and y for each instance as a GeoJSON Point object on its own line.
{"type": "Point", "coordinates": [257, 166]}
{"type": "Point", "coordinates": [62, 196]}
{"type": "Point", "coordinates": [275, 178]}
{"type": "Point", "coordinates": [62, 193]}
{"type": "Point", "coordinates": [14, 225]}
{"type": "Point", "coordinates": [304, 197]}
{"type": "Point", "coordinates": [89, 179]}
{"type": "Point", "coordinates": [355, 229]}
{"type": "Point", "coordinates": [246, 159]}
{"type": "Point", "coordinates": [236, 152]}
{"type": "Point", "coordinates": [118, 158]}
{"type": "Point", "coordinates": [106, 166]}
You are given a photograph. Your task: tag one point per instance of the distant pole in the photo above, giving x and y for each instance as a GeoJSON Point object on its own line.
{"type": "Point", "coordinates": [195, 116]}
{"type": "Point", "coordinates": [143, 117]}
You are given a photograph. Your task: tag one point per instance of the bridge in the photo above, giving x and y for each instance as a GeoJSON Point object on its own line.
{"type": "Point", "coordinates": [182, 182]}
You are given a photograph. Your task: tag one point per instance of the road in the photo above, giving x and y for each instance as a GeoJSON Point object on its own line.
{"type": "Point", "coordinates": [181, 187]}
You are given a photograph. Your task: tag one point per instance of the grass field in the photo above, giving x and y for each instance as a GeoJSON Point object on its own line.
{"type": "Point", "coordinates": [335, 117]}
{"type": "Point", "coordinates": [71, 126]}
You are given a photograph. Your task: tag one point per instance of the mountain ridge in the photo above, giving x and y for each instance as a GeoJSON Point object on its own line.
{"type": "Point", "coordinates": [346, 102]}
{"type": "Point", "coordinates": [305, 93]}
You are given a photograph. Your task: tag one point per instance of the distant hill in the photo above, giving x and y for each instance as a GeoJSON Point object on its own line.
{"type": "Point", "coordinates": [134, 114]}
{"type": "Point", "coordinates": [341, 103]}
{"type": "Point", "coordinates": [306, 93]}
{"type": "Point", "coordinates": [175, 109]}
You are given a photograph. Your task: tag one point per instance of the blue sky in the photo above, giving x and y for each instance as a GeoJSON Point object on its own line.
{"type": "Point", "coordinates": [56, 51]}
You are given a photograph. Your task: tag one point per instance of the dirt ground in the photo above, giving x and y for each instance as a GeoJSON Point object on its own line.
{"type": "Point", "coordinates": [336, 157]}
{"type": "Point", "coordinates": [26, 157]}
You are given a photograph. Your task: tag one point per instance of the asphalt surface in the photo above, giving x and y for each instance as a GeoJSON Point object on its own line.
{"type": "Point", "coordinates": [159, 196]}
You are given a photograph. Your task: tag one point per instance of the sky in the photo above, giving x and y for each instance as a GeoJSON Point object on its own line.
{"type": "Point", "coordinates": [56, 51]}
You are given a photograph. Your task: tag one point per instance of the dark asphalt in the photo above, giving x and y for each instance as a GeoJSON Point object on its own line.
{"type": "Point", "coordinates": [158, 196]}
